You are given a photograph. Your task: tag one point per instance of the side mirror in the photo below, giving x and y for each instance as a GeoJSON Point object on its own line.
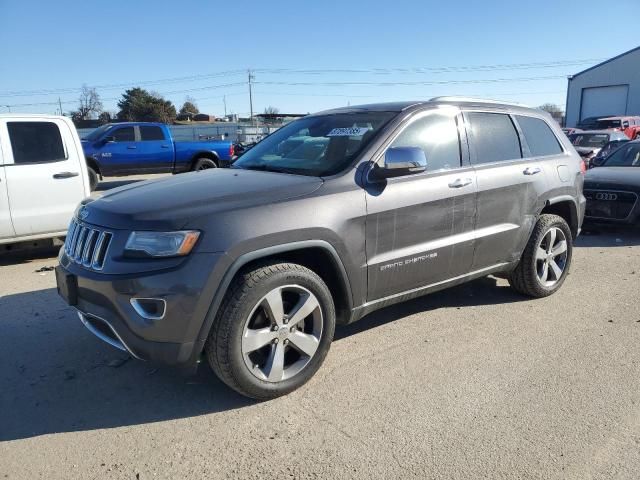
{"type": "Point", "coordinates": [400, 161]}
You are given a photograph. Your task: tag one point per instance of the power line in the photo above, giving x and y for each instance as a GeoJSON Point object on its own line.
{"type": "Point", "coordinates": [277, 71]}
{"type": "Point", "coordinates": [398, 84]}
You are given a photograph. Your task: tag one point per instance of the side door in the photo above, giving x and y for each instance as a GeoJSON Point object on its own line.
{"type": "Point", "coordinates": [510, 188]}
{"type": "Point", "coordinates": [155, 151]}
{"type": "Point", "coordinates": [43, 174]}
{"type": "Point", "coordinates": [119, 151]}
{"type": "Point", "coordinates": [6, 227]}
{"type": "Point", "coordinates": [419, 227]}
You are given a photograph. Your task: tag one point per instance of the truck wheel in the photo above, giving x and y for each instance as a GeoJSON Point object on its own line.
{"type": "Point", "coordinates": [93, 179]}
{"type": "Point", "coordinates": [273, 330]}
{"type": "Point", "coordinates": [204, 164]}
{"type": "Point", "coordinates": [545, 262]}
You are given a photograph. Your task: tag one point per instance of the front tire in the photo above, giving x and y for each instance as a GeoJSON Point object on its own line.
{"type": "Point", "coordinates": [545, 263]}
{"type": "Point", "coordinates": [93, 179]}
{"type": "Point", "coordinates": [273, 330]}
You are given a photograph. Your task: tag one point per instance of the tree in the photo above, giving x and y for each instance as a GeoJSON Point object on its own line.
{"type": "Point", "coordinates": [105, 117]}
{"type": "Point", "coordinates": [139, 105]}
{"type": "Point", "coordinates": [271, 110]}
{"type": "Point", "coordinates": [189, 107]}
{"type": "Point", "coordinates": [89, 104]}
{"type": "Point", "coordinates": [551, 108]}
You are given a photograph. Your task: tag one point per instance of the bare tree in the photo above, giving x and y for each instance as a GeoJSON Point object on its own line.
{"type": "Point", "coordinates": [551, 108]}
{"type": "Point", "coordinates": [89, 103]}
{"type": "Point", "coordinates": [271, 110]}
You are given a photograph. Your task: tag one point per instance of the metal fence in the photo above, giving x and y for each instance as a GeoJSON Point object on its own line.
{"type": "Point", "coordinates": [234, 132]}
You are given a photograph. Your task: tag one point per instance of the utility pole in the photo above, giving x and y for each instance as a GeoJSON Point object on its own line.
{"type": "Point", "coordinates": [60, 105]}
{"type": "Point", "coordinates": [250, 97]}
{"type": "Point", "coordinates": [224, 100]}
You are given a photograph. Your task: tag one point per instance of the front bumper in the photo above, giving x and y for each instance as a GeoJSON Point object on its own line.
{"type": "Point", "coordinates": [105, 308]}
{"type": "Point", "coordinates": [612, 205]}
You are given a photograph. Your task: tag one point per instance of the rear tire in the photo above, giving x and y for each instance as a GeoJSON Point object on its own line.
{"type": "Point", "coordinates": [545, 263]}
{"type": "Point", "coordinates": [272, 331]}
{"type": "Point", "coordinates": [93, 179]}
{"type": "Point", "coordinates": [204, 164]}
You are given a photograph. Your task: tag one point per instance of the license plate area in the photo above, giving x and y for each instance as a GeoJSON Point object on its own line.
{"type": "Point", "coordinates": [67, 286]}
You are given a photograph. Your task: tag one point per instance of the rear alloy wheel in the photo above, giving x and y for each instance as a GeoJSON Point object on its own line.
{"type": "Point", "coordinates": [204, 164]}
{"type": "Point", "coordinates": [273, 330]}
{"type": "Point", "coordinates": [544, 265]}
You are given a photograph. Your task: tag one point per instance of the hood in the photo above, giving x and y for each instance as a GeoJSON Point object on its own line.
{"type": "Point", "coordinates": [170, 203]}
{"type": "Point", "coordinates": [628, 176]}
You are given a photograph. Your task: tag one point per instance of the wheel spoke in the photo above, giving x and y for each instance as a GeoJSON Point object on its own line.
{"type": "Point", "coordinates": [552, 239]}
{"type": "Point", "coordinates": [255, 339]}
{"type": "Point", "coordinates": [274, 306]}
{"type": "Point", "coordinates": [545, 272]}
{"type": "Point", "coordinates": [308, 344]}
{"type": "Point", "coordinates": [303, 309]}
{"type": "Point", "coordinates": [557, 271]}
{"type": "Point", "coordinates": [561, 247]}
{"type": "Point", "coordinates": [541, 253]}
{"type": "Point", "coordinates": [275, 364]}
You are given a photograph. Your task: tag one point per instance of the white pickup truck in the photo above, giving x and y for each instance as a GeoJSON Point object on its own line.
{"type": "Point", "coordinates": [43, 176]}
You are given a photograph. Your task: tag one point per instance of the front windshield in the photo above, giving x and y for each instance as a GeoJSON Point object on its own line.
{"type": "Point", "coordinates": [317, 145]}
{"type": "Point", "coordinates": [626, 156]}
{"type": "Point", "coordinates": [595, 140]}
{"type": "Point", "coordinates": [97, 133]}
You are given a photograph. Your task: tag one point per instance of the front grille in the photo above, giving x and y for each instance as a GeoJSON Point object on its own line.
{"type": "Point", "coordinates": [87, 246]}
{"type": "Point", "coordinates": [609, 204]}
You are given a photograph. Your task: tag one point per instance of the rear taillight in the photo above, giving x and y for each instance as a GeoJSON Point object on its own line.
{"type": "Point", "coordinates": [583, 166]}
{"type": "Point", "coordinates": [232, 150]}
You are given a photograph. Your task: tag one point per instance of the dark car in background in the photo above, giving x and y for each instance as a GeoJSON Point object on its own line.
{"type": "Point", "coordinates": [606, 150]}
{"type": "Point", "coordinates": [612, 190]}
{"type": "Point", "coordinates": [589, 143]}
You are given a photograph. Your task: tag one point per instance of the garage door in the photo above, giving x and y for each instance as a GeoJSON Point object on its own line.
{"type": "Point", "coordinates": [604, 101]}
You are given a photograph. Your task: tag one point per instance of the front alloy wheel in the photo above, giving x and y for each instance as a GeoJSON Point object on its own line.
{"type": "Point", "coordinates": [282, 333]}
{"type": "Point", "coordinates": [551, 257]}
{"type": "Point", "coordinates": [272, 331]}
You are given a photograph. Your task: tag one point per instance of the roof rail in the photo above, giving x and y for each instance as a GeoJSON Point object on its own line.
{"type": "Point", "coordinates": [475, 100]}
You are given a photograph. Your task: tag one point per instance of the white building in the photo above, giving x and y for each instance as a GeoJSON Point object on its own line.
{"type": "Point", "coordinates": [607, 89]}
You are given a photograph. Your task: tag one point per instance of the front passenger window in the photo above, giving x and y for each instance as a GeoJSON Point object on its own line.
{"type": "Point", "coordinates": [437, 135]}
{"type": "Point", "coordinates": [125, 134]}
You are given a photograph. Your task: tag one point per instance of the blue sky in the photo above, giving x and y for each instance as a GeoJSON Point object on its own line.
{"type": "Point", "coordinates": [307, 55]}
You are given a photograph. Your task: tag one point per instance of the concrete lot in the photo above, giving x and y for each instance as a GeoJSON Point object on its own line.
{"type": "Point", "coordinates": [472, 382]}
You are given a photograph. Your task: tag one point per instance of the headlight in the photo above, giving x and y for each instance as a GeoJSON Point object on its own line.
{"type": "Point", "coordinates": [162, 244]}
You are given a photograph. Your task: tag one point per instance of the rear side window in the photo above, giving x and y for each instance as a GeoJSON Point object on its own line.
{"type": "Point", "coordinates": [36, 142]}
{"type": "Point", "coordinates": [494, 137]}
{"type": "Point", "coordinates": [125, 134]}
{"type": "Point", "coordinates": [437, 135]}
{"type": "Point", "coordinates": [151, 133]}
{"type": "Point", "coordinates": [539, 136]}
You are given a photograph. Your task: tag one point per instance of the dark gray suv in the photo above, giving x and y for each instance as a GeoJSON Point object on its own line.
{"type": "Point", "coordinates": [329, 218]}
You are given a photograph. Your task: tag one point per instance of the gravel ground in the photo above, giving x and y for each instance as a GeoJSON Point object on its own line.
{"type": "Point", "coordinates": [471, 382]}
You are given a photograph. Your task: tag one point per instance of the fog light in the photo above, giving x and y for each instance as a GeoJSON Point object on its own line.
{"type": "Point", "coordinates": [149, 308]}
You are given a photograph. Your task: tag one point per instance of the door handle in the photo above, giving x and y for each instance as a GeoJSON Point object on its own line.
{"type": "Point", "coordinates": [460, 182]}
{"type": "Point", "coordinates": [131, 147]}
{"type": "Point", "coordinates": [532, 170]}
{"type": "Point", "coordinates": [65, 175]}
{"type": "Point", "coordinates": [164, 146]}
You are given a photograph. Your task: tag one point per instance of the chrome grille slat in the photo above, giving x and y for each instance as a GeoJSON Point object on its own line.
{"type": "Point", "coordinates": [86, 245]}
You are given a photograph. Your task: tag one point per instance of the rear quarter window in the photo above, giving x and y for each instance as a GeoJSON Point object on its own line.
{"type": "Point", "coordinates": [494, 136]}
{"type": "Point", "coordinates": [539, 136]}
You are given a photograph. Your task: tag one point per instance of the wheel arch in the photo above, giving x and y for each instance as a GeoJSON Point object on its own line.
{"type": "Point", "coordinates": [564, 206]}
{"type": "Point", "coordinates": [317, 255]}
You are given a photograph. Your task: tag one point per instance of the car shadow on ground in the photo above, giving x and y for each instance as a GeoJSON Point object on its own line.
{"type": "Point", "coordinates": [55, 376]}
{"type": "Point", "coordinates": [28, 255]}
{"type": "Point", "coordinates": [105, 185]}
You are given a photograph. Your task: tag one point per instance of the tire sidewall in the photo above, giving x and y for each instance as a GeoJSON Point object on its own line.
{"type": "Point", "coordinates": [201, 161]}
{"type": "Point", "coordinates": [556, 222]}
{"type": "Point", "coordinates": [93, 179]}
{"type": "Point", "coordinates": [315, 285]}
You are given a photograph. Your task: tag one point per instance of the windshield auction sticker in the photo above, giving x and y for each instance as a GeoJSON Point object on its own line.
{"type": "Point", "coordinates": [348, 132]}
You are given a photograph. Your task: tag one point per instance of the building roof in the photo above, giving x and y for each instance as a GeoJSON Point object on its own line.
{"type": "Point", "coordinates": [603, 63]}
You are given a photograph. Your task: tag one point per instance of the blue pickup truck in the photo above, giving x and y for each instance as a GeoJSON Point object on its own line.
{"type": "Point", "coordinates": [131, 148]}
